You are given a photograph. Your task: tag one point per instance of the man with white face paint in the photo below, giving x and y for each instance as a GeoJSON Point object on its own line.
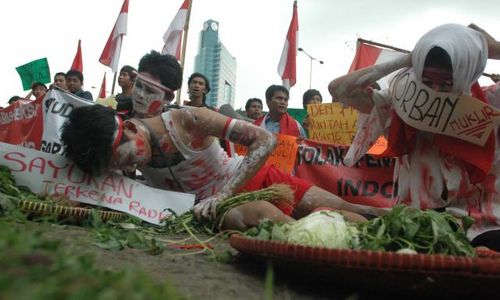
{"type": "Point", "coordinates": [435, 170]}
{"type": "Point", "coordinates": [178, 150]}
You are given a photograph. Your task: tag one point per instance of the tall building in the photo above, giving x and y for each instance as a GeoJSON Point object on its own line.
{"type": "Point", "coordinates": [214, 61]}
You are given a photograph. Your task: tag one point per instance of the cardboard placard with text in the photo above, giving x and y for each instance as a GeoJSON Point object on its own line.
{"type": "Point", "coordinates": [334, 123]}
{"type": "Point", "coordinates": [283, 156]}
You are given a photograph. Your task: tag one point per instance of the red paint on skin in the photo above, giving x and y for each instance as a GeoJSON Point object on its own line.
{"type": "Point", "coordinates": [427, 181]}
{"type": "Point", "coordinates": [141, 149]}
{"type": "Point", "coordinates": [154, 106]}
{"type": "Point", "coordinates": [166, 147]}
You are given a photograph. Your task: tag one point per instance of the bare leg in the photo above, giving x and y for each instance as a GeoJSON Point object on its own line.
{"type": "Point", "coordinates": [250, 214]}
{"type": "Point", "coordinates": [316, 197]}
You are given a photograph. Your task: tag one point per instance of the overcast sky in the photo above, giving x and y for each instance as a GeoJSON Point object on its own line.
{"type": "Point", "coordinates": [253, 31]}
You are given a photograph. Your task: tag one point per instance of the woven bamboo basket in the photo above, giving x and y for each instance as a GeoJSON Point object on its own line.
{"type": "Point", "coordinates": [79, 213]}
{"type": "Point", "coordinates": [387, 272]}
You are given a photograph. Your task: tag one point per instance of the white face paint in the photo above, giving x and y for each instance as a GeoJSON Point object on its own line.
{"type": "Point", "coordinates": [149, 96]}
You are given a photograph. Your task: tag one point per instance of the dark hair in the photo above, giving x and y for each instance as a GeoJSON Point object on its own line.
{"type": "Point", "coordinates": [75, 73]}
{"type": "Point", "coordinates": [250, 101]}
{"type": "Point", "coordinates": [87, 136]}
{"type": "Point", "coordinates": [207, 83]}
{"type": "Point", "coordinates": [13, 99]}
{"type": "Point", "coordinates": [130, 70]}
{"type": "Point", "coordinates": [199, 75]}
{"type": "Point", "coordinates": [308, 95]}
{"type": "Point", "coordinates": [275, 88]}
{"type": "Point", "coordinates": [165, 67]}
{"type": "Point", "coordinates": [59, 73]}
{"type": "Point", "coordinates": [438, 57]}
{"type": "Point", "coordinates": [36, 84]}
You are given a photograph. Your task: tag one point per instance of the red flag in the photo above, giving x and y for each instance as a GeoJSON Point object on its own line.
{"type": "Point", "coordinates": [287, 65]}
{"type": "Point", "coordinates": [102, 91]}
{"type": "Point", "coordinates": [368, 55]}
{"type": "Point", "coordinates": [173, 35]}
{"type": "Point", "coordinates": [111, 53]}
{"type": "Point", "coordinates": [77, 61]}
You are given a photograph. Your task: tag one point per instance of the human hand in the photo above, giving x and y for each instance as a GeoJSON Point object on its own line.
{"type": "Point", "coordinates": [493, 45]}
{"type": "Point", "coordinates": [495, 77]}
{"type": "Point", "coordinates": [207, 208]}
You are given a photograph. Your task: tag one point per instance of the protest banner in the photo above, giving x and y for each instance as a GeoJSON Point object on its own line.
{"type": "Point", "coordinates": [57, 105]}
{"type": "Point", "coordinates": [456, 115]}
{"type": "Point", "coordinates": [334, 123]}
{"type": "Point", "coordinates": [283, 156]}
{"type": "Point", "coordinates": [369, 182]}
{"type": "Point", "coordinates": [35, 71]}
{"type": "Point", "coordinates": [22, 123]}
{"type": "Point", "coordinates": [47, 174]}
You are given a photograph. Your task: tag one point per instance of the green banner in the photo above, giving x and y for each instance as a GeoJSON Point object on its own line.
{"type": "Point", "coordinates": [35, 71]}
{"type": "Point", "coordinates": [298, 113]}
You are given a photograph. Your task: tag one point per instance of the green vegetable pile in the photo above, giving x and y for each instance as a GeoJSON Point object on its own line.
{"type": "Point", "coordinates": [402, 229]}
{"type": "Point", "coordinates": [428, 231]}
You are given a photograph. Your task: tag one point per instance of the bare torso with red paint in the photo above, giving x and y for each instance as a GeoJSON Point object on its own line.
{"type": "Point", "coordinates": [205, 169]}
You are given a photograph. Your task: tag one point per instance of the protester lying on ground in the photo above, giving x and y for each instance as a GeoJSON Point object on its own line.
{"type": "Point", "coordinates": [178, 150]}
{"type": "Point", "coordinates": [433, 170]}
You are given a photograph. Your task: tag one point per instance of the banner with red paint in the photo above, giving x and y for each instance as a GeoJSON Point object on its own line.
{"type": "Point", "coordinates": [369, 182]}
{"type": "Point", "coordinates": [22, 123]}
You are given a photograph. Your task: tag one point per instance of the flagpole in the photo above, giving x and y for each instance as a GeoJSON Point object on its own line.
{"type": "Point", "coordinates": [382, 45]}
{"type": "Point", "coordinates": [113, 86]}
{"type": "Point", "coordinates": [184, 43]}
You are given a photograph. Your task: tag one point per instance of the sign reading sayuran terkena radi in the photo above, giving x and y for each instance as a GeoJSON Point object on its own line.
{"type": "Point", "coordinates": [47, 174]}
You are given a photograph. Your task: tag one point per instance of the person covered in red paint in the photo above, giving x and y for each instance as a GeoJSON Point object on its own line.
{"type": "Point", "coordinates": [434, 170]}
{"type": "Point", "coordinates": [178, 150]}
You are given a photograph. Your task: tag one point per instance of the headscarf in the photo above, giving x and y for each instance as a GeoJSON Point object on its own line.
{"type": "Point", "coordinates": [466, 47]}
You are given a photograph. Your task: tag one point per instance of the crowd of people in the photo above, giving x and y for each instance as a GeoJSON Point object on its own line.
{"type": "Point", "coordinates": [177, 147]}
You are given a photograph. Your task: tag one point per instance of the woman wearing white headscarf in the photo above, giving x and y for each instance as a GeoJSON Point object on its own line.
{"type": "Point", "coordinates": [433, 171]}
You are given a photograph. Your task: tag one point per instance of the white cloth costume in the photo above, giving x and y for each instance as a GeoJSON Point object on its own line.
{"type": "Point", "coordinates": [425, 174]}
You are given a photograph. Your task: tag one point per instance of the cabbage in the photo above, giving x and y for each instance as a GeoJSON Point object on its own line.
{"type": "Point", "coordinates": [322, 229]}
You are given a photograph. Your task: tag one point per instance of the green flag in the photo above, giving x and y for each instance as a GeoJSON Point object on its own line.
{"type": "Point", "coordinates": [299, 114]}
{"type": "Point", "coordinates": [35, 71]}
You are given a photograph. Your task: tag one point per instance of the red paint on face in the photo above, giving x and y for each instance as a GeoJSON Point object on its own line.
{"type": "Point", "coordinates": [141, 147]}
{"type": "Point", "coordinates": [154, 106]}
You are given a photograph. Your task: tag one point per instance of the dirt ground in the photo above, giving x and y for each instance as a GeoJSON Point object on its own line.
{"type": "Point", "coordinates": [198, 276]}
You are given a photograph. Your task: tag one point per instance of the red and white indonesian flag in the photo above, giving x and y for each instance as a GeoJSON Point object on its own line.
{"type": "Point", "coordinates": [368, 55]}
{"type": "Point", "coordinates": [111, 52]}
{"type": "Point", "coordinates": [287, 65]}
{"type": "Point", "coordinates": [173, 35]}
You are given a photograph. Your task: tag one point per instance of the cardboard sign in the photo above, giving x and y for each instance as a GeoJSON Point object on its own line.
{"type": "Point", "coordinates": [283, 156]}
{"type": "Point", "coordinates": [451, 114]}
{"type": "Point", "coordinates": [47, 174]}
{"type": "Point", "coordinates": [35, 71]}
{"type": "Point", "coordinates": [332, 123]}
{"type": "Point", "coordinates": [108, 102]}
